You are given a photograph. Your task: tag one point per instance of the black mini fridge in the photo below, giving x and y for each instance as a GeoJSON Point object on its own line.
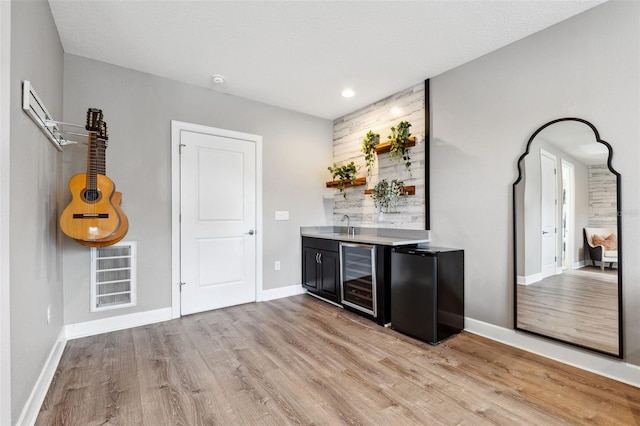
{"type": "Point", "coordinates": [427, 292]}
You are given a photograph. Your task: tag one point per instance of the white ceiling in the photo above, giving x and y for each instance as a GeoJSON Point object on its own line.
{"type": "Point", "coordinates": [300, 55]}
{"type": "Point", "coordinates": [576, 139]}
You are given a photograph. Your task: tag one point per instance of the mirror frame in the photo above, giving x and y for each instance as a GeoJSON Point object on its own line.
{"type": "Point", "coordinates": [619, 354]}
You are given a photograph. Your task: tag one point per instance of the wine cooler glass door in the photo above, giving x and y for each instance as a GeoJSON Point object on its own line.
{"type": "Point", "coordinates": [357, 277]}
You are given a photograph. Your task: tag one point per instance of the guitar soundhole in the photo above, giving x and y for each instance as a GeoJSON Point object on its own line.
{"type": "Point", "coordinates": [91, 195]}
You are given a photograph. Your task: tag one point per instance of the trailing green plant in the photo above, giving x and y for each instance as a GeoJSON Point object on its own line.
{"type": "Point", "coordinates": [398, 139]}
{"type": "Point", "coordinates": [387, 193]}
{"type": "Point", "coordinates": [345, 174]}
{"type": "Point", "coordinates": [369, 143]}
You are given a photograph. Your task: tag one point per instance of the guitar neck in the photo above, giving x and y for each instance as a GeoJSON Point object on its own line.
{"type": "Point", "coordinates": [92, 161]}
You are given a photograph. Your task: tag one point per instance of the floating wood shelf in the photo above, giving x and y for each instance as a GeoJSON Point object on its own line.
{"type": "Point", "coordinates": [336, 183]}
{"type": "Point", "coordinates": [384, 147]}
{"type": "Point", "coordinates": [408, 190]}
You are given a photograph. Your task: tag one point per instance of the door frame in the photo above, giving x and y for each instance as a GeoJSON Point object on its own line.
{"type": "Point", "coordinates": [570, 190]}
{"type": "Point", "coordinates": [176, 128]}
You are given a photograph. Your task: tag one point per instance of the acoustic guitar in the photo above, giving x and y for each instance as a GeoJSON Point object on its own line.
{"type": "Point", "coordinates": [91, 215]}
{"type": "Point", "coordinates": [116, 200]}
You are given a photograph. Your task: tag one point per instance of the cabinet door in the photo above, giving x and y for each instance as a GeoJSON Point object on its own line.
{"type": "Point", "coordinates": [310, 269]}
{"type": "Point", "coordinates": [328, 280]}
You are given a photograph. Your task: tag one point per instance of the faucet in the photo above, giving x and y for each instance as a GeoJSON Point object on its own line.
{"type": "Point", "coordinates": [350, 229]}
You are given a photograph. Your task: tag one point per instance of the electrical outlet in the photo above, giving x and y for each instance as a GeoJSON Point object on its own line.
{"type": "Point", "coordinates": [49, 314]}
{"type": "Point", "coordinates": [276, 266]}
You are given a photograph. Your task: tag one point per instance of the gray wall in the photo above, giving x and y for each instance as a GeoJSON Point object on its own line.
{"type": "Point", "coordinates": [36, 260]}
{"type": "Point", "coordinates": [138, 109]}
{"type": "Point", "coordinates": [5, 225]}
{"type": "Point", "coordinates": [484, 112]}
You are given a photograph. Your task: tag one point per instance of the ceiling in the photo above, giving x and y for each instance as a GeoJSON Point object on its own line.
{"type": "Point", "coordinates": [576, 139]}
{"type": "Point", "coordinates": [300, 55]}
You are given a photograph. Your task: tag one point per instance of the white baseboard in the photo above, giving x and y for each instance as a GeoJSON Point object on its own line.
{"type": "Point", "coordinates": [529, 279]}
{"type": "Point", "coordinates": [105, 325]}
{"type": "Point", "coordinates": [599, 364]}
{"type": "Point", "coordinates": [31, 408]}
{"type": "Point", "coordinates": [279, 293]}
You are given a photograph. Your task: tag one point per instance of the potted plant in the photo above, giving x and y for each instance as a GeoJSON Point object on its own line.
{"type": "Point", "coordinates": [398, 139]}
{"type": "Point", "coordinates": [387, 193]}
{"type": "Point", "coordinates": [369, 143]}
{"type": "Point", "coordinates": [345, 174]}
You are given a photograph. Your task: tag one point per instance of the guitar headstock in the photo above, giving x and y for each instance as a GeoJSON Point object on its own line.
{"type": "Point", "coordinates": [94, 120]}
{"type": "Point", "coordinates": [103, 133]}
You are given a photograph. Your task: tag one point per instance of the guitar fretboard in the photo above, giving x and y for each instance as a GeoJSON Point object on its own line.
{"type": "Point", "coordinates": [92, 162]}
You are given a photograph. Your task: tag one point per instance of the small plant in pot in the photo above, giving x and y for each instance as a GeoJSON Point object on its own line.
{"type": "Point", "coordinates": [387, 193]}
{"type": "Point", "coordinates": [345, 174]}
{"type": "Point", "coordinates": [369, 143]}
{"type": "Point", "coordinates": [398, 138]}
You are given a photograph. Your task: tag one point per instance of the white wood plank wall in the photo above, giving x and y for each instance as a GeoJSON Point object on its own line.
{"type": "Point", "coordinates": [348, 132]}
{"type": "Point", "coordinates": [602, 197]}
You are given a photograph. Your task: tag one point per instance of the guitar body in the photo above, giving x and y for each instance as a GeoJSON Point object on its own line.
{"type": "Point", "coordinates": [116, 200]}
{"type": "Point", "coordinates": [90, 216]}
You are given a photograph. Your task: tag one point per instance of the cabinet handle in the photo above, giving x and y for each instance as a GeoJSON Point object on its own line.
{"type": "Point", "coordinates": [317, 260]}
{"type": "Point", "coordinates": [319, 257]}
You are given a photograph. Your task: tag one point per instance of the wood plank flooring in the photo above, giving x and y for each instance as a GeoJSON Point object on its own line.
{"type": "Point", "coordinates": [302, 361]}
{"type": "Point", "coordinates": [578, 306]}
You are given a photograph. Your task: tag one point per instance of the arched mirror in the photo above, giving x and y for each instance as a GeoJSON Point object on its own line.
{"type": "Point", "coordinates": [567, 233]}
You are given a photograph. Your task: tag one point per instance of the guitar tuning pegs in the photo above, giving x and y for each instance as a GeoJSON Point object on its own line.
{"type": "Point", "coordinates": [94, 119]}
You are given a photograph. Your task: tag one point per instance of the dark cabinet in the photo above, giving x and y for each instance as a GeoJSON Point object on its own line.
{"type": "Point", "coordinates": [321, 268]}
{"type": "Point", "coordinates": [427, 292]}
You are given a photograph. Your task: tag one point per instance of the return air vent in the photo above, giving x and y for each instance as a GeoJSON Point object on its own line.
{"type": "Point", "coordinates": [113, 276]}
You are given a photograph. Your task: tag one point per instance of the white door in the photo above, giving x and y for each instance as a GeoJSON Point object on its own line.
{"type": "Point", "coordinates": [218, 221]}
{"type": "Point", "coordinates": [548, 191]}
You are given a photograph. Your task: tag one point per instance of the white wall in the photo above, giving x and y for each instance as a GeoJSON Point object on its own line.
{"type": "Point", "coordinates": [138, 109]}
{"type": "Point", "coordinates": [5, 116]}
{"type": "Point", "coordinates": [484, 112]}
{"type": "Point", "coordinates": [529, 237]}
{"type": "Point", "coordinates": [36, 255]}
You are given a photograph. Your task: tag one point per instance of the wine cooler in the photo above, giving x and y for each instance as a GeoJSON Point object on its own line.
{"type": "Point", "coordinates": [358, 277]}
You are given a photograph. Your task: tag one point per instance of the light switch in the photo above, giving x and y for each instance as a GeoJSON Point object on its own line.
{"type": "Point", "coordinates": [282, 215]}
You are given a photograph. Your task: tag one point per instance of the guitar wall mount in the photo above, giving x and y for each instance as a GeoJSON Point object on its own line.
{"type": "Point", "coordinates": [53, 129]}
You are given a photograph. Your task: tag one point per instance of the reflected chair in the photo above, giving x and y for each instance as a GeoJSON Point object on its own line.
{"type": "Point", "coordinates": [598, 252]}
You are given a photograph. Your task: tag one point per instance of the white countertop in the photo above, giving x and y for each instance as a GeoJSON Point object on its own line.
{"type": "Point", "coordinates": [379, 236]}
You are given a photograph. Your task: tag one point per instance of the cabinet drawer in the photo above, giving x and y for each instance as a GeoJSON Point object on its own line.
{"type": "Point", "coordinates": [321, 244]}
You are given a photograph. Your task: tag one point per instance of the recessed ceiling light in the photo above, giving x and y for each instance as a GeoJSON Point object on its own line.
{"type": "Point", "coordinates": [217, 79]}
{"type": "Point", "coordinates": [348, 93]}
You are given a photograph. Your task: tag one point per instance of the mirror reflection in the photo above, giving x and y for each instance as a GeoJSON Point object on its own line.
{"type": "Point", "coordinates": [566, 238]}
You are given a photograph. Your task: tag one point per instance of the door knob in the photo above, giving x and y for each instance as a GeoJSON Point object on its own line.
{"type": "Point", "coordinates": [251, 232]}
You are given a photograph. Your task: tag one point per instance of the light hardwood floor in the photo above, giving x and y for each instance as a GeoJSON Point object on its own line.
{"type": "Point", "coordinates": [578, 306]}
{"type": "Point", "coordinates": [302, 361]}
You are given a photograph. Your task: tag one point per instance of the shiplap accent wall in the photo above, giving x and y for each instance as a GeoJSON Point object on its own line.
{"type": "Point", "coordinates": [602, 197]}
{"type": "Point", "coordinates": [348, 132]}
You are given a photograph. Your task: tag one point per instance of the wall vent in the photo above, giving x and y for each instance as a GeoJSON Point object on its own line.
{"type": "Point", "coordinates": [113, 276]}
